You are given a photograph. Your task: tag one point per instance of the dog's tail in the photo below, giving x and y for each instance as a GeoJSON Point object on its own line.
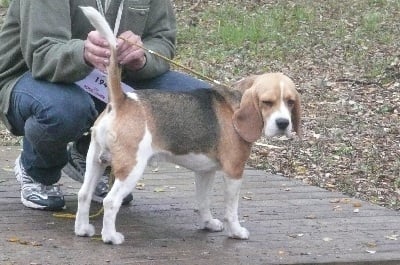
{"type": "Point", "coordinates": [115, 92]}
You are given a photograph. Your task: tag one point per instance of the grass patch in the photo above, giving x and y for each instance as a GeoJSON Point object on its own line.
{"type": "Point", "coordinates": [229, 30]}
{"type": "Point", "coordinates": [285, 31]}
{"type": "Point", "coordinates": [4, 3]}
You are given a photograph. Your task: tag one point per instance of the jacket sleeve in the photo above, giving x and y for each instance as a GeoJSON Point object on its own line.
{"type": "Point", "coordinates": [51, 53]}
{"type": "Point", "coordinates": [159, 35]}
{"type": "Point", "coordinates": [46, 43]}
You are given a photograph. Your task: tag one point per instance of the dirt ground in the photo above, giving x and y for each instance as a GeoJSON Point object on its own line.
{"type": "Point", "coordinates": [351, 114]}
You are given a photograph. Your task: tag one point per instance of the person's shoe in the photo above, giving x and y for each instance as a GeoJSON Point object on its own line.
{"type": "Point", "coordinates": [75, 169]}
{"type": "Point", "coordinates": [76, 166]}
{"type": "Point", "coordinates": [36, 195]}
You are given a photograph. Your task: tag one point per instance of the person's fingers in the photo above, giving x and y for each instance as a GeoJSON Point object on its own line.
{"type": "Point", "coordinates": [96, 51]}
{"type": "Point", "coordinates": [128, 52]}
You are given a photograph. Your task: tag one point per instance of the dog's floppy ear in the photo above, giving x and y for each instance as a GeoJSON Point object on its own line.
{"type": "Point", "coordinates": [296, 116]}
{"type": "Point", "coordinates": [247, 120]}
{"type": "Point", "coordinates": [245, 83]}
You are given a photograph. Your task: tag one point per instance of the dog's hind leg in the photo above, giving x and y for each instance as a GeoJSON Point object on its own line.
{"type": "Point", "coordinates": [94, 169]}
{"type": "Point", "coordinates": [112, 203]}
{"type": "Point", "coordinates": [233, 227]}
{"type": "Point", "coordinates": [204, 182]}
{"type": "Point", "coordinates": [123, 185]}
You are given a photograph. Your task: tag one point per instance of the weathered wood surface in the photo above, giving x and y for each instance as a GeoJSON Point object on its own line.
{"type": "Point", "coordinates": [289, 223]}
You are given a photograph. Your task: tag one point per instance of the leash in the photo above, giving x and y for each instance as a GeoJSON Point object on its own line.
{"type": "Point", "coordinates": [73, 216]}
{"type": "Point", "coordinates": [216, 82]}
{"type": "Point", "coordinates": [111, 180]}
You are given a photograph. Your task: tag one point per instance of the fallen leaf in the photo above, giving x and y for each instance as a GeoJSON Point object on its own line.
{"type": "Point", "coordinates": [301, 170]}
{"type": "Point", "coordinates": [8, 169]}
{"type": "Point", "coordinates": [296, 235]}
{"type": "Point", "coordinates": [159, 190]}
{"type": "Point", "coordinates": [345, 200]}
{"type": "Point", "coordinates": [311, 216]}
{"type": "Point", "coordinates": [13, 239]}
{"type": "Point", "coordinates": [337, 208]}
{"type": "Point", "coordinates": [140, 186]}
{"type": "Point", "coordinates": [371, 244]}
{"type": "Point", "coordinates": [317, 135]}
{"type": "Point", "coordinates": [36, 244]}
{"type": "Point", "coordinates": [23, 242]}
{"type": "Point", "coordinates": [392, 237]}
{"type": "Point", "coordinates": [268, 146]}
{"type": "Point", "coordinates": [330, 186]}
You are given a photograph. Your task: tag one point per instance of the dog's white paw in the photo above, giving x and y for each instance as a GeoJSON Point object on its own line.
{"type": "Point", "coordinates": [113, 238]}
{"type": "Point", "coordinates": [239, 233]}
{"type": "Point", "coordinates": [214, 225]}
{"type": "Point", "coordinates": [84, 230]}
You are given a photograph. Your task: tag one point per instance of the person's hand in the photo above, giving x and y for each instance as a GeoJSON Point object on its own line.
{"type": "Point", "coordinates": [96, 51]}
{"type": "Point", "coordinates": [131, 56]}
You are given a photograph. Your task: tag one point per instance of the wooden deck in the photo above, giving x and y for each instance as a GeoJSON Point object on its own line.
{"type": "Point", "coordinates": [289, 223]}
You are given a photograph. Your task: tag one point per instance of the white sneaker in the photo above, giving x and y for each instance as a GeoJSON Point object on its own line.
{"type": "Point", "coordinates": [36, 195]}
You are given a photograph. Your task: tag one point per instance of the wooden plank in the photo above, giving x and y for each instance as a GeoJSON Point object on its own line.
{"type": "Point", "coordinates": [289, 223]}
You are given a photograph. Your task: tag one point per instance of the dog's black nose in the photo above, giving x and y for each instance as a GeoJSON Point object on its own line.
{"type": "Point", "coordinates": [282, 123]}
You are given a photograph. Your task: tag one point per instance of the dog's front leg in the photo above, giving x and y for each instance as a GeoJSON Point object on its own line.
{"type": "Point", "coordinates": [94, 169]}
{"type": "Point", "coordinates": [204, 182]}
{"type": "Point", "coordinates": [232, 190]}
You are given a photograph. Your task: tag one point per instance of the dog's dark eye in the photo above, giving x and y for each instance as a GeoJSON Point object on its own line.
{"type": "Point", "coordinates": [268, 103]}
{"type": "Point", "coordinates": [290, 103]}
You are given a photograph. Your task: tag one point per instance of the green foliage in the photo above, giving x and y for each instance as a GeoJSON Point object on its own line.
{"type": "Point", "coordinates": [287, 30]}
{"type": "Point", "coordinates": [234, 28]}
{"type": "Point", "coordinates": [4, 3]}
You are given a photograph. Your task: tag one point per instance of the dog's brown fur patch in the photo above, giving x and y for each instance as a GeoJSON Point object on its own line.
{"type": "Point", "coordinates": [130, 127]}
{"type": "Point", "coordinates": [233, 151]}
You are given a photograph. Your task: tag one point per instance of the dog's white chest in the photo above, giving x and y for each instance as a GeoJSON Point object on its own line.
{"type": "Point", "coordinates": [194, 162]}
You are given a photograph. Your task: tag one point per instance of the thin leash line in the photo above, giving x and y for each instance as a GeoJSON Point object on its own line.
{"type": "Point", "coordinates": [175, 63]}
{"type": "Point", "coordinates": [111, 180]}
{"type": "Point", "coordinates": [73, 216]}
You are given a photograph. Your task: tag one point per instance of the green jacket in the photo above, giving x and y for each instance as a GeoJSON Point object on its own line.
{"type": "Point", "coordinates": [46, 37]}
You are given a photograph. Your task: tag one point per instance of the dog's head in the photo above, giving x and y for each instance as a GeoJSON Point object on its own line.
{"type": "Point", "coordinates": [270, 103]}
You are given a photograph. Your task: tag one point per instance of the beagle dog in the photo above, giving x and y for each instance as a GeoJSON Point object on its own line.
{"type": "Point", "coordinates": [204, 130]}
